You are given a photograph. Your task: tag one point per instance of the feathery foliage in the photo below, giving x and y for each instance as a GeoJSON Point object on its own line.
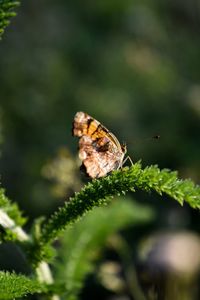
{"type": "Point", "coordinates": [10, 219]}
{"type": "Point", "coordinates": [6, 13]}
{"type": "Point", "coordinates": [83, 242]}
{"type": "Point", "coordinates": [14, 286]}
{"type": "Point", "coordinates": [11, 209]}
{"type": "Point", "coordinates": [92, 232]}
{"type": "Point", "coordinates": [99, 192]}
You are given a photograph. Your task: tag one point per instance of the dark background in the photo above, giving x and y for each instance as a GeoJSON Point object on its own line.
{"type": "Point", "coordinates": [133, 65]}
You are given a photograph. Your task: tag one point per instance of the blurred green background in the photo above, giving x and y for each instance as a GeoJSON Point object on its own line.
{"type": "Point", "coordinates": [133, 65]}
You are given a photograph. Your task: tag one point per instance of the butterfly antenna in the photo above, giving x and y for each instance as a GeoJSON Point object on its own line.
{"type": "Point", "coordinates": [156, 137]}
{"type": "Point", "coordinates": [142, 140]}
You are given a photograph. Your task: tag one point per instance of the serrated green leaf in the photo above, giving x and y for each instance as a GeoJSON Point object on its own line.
{"type": "Point", "coordinates": [99, 192]}
{"type": "Point", "coordinates": [11, 209]}
{"type": "Point", "coordinates": [6, 13]}
{"type": "Point", "coordinates": [15, 286]}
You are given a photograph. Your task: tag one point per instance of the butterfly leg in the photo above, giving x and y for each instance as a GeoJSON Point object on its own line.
{"type": "Point", "coordinates": [126, 159]}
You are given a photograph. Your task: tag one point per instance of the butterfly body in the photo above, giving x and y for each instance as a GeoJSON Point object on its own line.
{"type": "Point", "coordinates": [99, 150]}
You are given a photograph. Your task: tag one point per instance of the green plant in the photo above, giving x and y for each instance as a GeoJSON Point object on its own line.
{"type": "Point", "coordinates": [89, 234]}
{"type": "Point", "coordinates": [7, 12]}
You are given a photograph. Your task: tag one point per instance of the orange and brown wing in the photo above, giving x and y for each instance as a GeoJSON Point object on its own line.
{"type": "Point", "coordinates": [85, 125]}
{"type": "Point", "coordinates": [99, 157]}
{"type": "Point", "coordinates": [99, 150]}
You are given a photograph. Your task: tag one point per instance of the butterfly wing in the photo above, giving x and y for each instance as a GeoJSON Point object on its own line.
{"type": "Point", "coordinates": [99, 157]}
{"type": "Point", "coordinates": [85, 125]}
{"type": "Point", "coordinates": [99, 150]}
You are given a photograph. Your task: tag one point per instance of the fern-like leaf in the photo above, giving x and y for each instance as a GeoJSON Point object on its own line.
{"type": "Point", "coordinates": [11, 209]}
{"type": "Point", "coordinates": [100, 191]}
{"type": "Point", "coordinates": [11, 220]}
{"type": "Point", "coordinates": [7, 12]}
{"type": "Point", "coordinates": [15, 286]}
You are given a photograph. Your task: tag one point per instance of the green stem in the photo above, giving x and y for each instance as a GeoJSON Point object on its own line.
{"type": "Point", "coordinates": [43, 271]}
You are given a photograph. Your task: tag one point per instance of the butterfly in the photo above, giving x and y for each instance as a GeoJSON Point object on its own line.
{"type": "Point", "coordinates": [99, 150]}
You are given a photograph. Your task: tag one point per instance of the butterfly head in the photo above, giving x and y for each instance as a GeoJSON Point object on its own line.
{"type": "Point", "coordinates": [124, 148]}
